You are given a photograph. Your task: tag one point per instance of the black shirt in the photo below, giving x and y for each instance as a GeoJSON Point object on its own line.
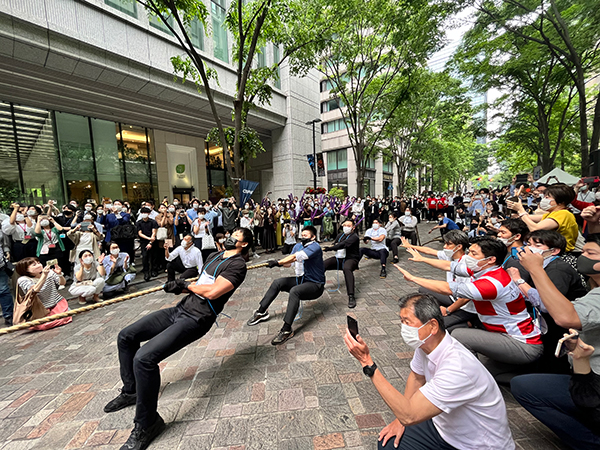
{"type": "Point", "coordinates": [566, 279]}
{"type": "Point", "coordinates": [233, 269]}
{"type": "Point", "coordinates": [146, 228]}
{"type": "Point", "coordinates": [350, 242]}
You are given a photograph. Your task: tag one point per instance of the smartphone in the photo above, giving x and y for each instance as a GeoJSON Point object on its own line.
{"type": "Point", "coordinates": [566, 345]}
{"type": "Point", "coordinates": [352, 326]}
{"type": "Point", "coordinates": [85, 225]}
{"type": "Point", "coordinates": [52, 262]}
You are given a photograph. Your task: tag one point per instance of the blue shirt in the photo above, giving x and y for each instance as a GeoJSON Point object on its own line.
{"type": "Point", "coordinates": [314, 271]}
{"type": "Point", "coordinates": [450, 224]}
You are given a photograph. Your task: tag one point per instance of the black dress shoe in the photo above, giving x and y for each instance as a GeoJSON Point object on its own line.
{"type": "Point", "coordinates": [383, 273]}
{"type": "Point", "coordinates": [154, 274]}
{"type": "Point", "coordinates": [282, 337]}
{"type": "Point", "coordinates": [8, 322]}
{"type": "Point", "coordinates": [351, 301]}
{"type": "Point", "coordinates": [146, 277]}
{"type": "Point", "coordinates": [123, 400]}
{"type": "Point", "coordinates": [140, 438]}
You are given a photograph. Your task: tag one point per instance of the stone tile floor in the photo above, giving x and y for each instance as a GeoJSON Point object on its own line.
{"type": "Point", "coordinates": [230, 390]}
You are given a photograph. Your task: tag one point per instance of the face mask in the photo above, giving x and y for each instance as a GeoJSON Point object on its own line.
{"type": "Point", "coordinates": [411, 336]}
{"type": "Point", "coordinates": [230, 243]}
{"type": "Point", "coordinates": [99, 212]}
{"type": "Point", "coordinates": [200, 216]}
{"type": "Point", "coordinates": [109, 205]}
{"type": "Point", "coordinates": [473, 263]}
{"type": "Point", "coordinates": [114, 252]}
{"type": "Point", "coordinates": [31, 213]}
{"type": "Point", "coordinates": [347, 230]}
{"type": "Point", "coordinates": [171, 210]}
{"type": "Point", "coordinates": [20, 218]}
{"type": "Point", "coordinates": [305, 240]}
{"type": "Point", "coordinates": [88, 259]}
{"type": "Point", "coordinates": [540, 251]}
{"type": "Point", "coordinates": [598, 196]}
{"type": "Point", "coordinates": [449, 252]}
{"type": "Point", "coordinates": [88, 218]}
{"type": "Point", "coordinates": [118, 208]}
{"type": "Point", "coordinates": [144, 216]}
{"type": "Point", "coordinates": [44, 223]}
{"type": "Point", "coordinates": [187, 244]}
{"type": "Point", "coordinates": [176, 203]}
{"type": "Point", "coordinates": [195, 206]}
{"type": "Point", "coordinates": [375, 226]}
{"type": "Point", "coordinates": [587, 265]}
{"type": "Point", "coordinates": [508, 242]}
{"type": "Point", "coordinates": [583, 188]}
{"type": "Point", "coordinates": [407, 213]}
{"type": "Point", "coordinates": [88, 208]}
{"type": "Point", "coordinates": [546, 204]}
{"type": "Point", "coordinates": [494, 220]}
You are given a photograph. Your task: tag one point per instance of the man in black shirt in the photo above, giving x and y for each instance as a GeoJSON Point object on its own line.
{"type": "Point", "coordinates": [347, 255]}
{"type": "Point", "coordinates": [169, 330]}
{"type": "Point", "coordinates": [146, 229]}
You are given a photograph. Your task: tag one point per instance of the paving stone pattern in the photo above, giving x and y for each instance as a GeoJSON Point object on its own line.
{"type": "Point", "coordinates": [232, 389]}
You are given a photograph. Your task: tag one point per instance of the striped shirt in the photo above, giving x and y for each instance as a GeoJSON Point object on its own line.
{"type": "Point", "coordinates": [499, 304]}
{"type": "Point", "coordinates": [49, 294]}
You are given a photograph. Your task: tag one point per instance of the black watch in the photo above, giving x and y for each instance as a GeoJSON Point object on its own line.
{"type": "Point", "coordinates": [370, 370]}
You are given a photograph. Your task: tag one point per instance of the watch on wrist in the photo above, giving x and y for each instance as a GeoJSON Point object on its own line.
{"type": "Point", "coordinates": [448, 312]}
{"type": "Point", "coordinates": [370, 370]}
{"type": "Point", "coordinates": [520, 281]}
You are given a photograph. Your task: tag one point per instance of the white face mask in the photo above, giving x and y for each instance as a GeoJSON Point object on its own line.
{"type": "Point", "coordinates": [411, 336]}
{"type": "Point", "coordinates": [597, 196]}
{"type": "Point", "coordinates": [118, 208]}
{"type": "Point", "coordinates": [100, 212]}
{"type": "Point", "coordinates": [494, 220]}
{"type": "Point", "coordinates": [540, 251]}
{"type": "Point", "coordinates": [88, 208]}
{"type": "Point", "coordinates": [44, 223]}
{"type": "Point", "coordinates": [171, 210]}
{"type": "Point", "coordinates": [221, 240]}
{"type": "Point", "coordinates": [88, 218]}
{"type": "Point", "coordinates": [473, 263]}
{"type": "Point", "coordinates": [144, 215]}
{"type": "Point", "coordinates": [187, 244]}
{"type": "Point", "coordinates": [375, 226]}
{"type": "Point", "coordinates": [546, 204]}
{"type": "Point", "coordinates": [20, 217]}
{"type": "Point", "coordinates": [109, 205]}
{"type": "Point", "coordinates": [31, 213]}
{"type": "Point", "coordinates": [407, 213]}
{"type": "Point", "coordinates": [508, 242]}
{"type": "Point", "coordinates": [449, 252]}
{"type": "Point", "coordinates": [195, 206]}
{"type": "Point", "coordinates": [88, 259]}
{"type": "Point", "coordinates": [347, 230]}
{"type": "Point", "coordinates": [200, 216]}
{"type": "Point", "coordinates": [114, 252]}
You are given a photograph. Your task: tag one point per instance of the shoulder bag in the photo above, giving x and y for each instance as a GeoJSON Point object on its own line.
{"type": "Point", "coordinates": [27, 307]}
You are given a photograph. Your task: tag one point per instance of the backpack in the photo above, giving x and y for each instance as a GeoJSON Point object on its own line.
{"type": "Point", "coordinates": [125, 231]}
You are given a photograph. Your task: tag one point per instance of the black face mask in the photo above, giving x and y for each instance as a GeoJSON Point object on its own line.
{"type": "Point", "coordinates": [586, 265]}
{"type": "Point", "coordinates": [305, 240]}
{"type": "Point", "coordinates": [230, 243]}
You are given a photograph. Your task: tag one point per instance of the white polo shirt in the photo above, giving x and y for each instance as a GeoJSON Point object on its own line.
{"type": "Point", "coordinates": [372, 233]}
{"type": "Point", "coordinates": [473, 411]}
{"type": "Point", "coordinates": [190, 257]}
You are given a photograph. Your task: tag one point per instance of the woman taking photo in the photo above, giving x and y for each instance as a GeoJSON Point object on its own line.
{"type": "Point", "coordinates": [45, 282]}
{"type": "Point", "coordinates": [49, 244]}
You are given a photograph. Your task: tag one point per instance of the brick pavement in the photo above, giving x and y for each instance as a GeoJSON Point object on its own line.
{"type": "Point", "coordinates": [230, 390]}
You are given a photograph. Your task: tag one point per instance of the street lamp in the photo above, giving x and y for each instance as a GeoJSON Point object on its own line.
{"type": "Point", "coordinates": [313, 122]}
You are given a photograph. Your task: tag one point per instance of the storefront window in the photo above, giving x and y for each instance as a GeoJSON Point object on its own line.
{"type": "Point", "coordinates": [216, 172]}
{"type": "Point", "coordinates": [39, 157]}
{"type": "Point", "coordinates": [10, 185]}
{"type": "Point", "coordinates": [135, 152]}
{"type": "Point", "coordinates": [108, 167]}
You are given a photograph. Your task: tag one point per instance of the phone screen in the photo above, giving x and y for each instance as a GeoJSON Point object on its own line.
{"type": "Point", "coordinates": [352, 326]}
{"type": "Point", "coordinates": [566, 345]}
{"type": "Point", "coordinates": [52, 262]}
{"type": "Point", "coordinates": [85, 225]}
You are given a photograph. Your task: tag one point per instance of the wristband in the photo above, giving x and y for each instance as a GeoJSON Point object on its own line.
{"type": "Point", "coordinates": [522, 214]}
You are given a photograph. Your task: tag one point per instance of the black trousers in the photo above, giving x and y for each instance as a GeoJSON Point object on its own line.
{"type": "Point", "coordinates": [166, 331]}
{"type": "Point", "coordinates": [298, 291]}
{"type": "Point", "coordinates": [287, 249]}
{"type": "Point", "coordinates": [393, 244]}
{"type": "Point", "coordinates": [431, 214]}
{"type": "Point", "coordinates": [412, 235]}
{"type": "Point", "coordinates": [176, 266]}
{"type": "Point", "coordinates": [348, 266]}
{"type": "Point", "coordinates": [149, 258]}
{"type": "Point", "coordinates": [381, 254]}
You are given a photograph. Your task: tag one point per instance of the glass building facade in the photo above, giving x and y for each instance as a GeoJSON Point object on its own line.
{"type": "Point", "coordinates": [50, 155]}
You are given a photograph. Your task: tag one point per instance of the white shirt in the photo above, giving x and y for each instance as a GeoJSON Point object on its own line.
{"type": "Point", "coordinates": [18, 231]}
{"type": "Point", "coordinates": [473, 411]}
{"type": "Point", "coordinates": [409, 222]}
{"type": "Point", "coordinates": [190, 257]}
{"type": "Point", "coordinates": [201, 227]}
{"type": "Point", "coordinates": [375, 234]}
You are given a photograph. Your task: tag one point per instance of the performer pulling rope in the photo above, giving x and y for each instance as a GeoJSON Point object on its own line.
{"type": "Point", "coordinates": [73, 312]}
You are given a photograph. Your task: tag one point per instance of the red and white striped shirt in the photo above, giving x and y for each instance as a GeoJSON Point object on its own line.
{"type": "Point", "coordinates": [499, 304]}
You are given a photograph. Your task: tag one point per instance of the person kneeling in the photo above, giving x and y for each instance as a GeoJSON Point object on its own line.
{"type": "Point", "coordinates": [89, 279]}
{"type": "Point", "coordinates": [308, 283]}
{"type": "Point", "coordinates": [450, 401]}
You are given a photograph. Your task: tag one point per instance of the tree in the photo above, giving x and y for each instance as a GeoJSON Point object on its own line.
{"type": "Point", "coordinates": [252, 23]}
{"type": "Point", "coordinates": [538, 108]}
{"type": "Point", "coordinates": [369, 45]}
{"type": "Point", "coordinates": [568, 31]}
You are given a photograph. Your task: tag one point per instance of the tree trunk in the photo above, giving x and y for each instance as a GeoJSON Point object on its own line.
{"type": "Point", "coordinates": [583, 125]}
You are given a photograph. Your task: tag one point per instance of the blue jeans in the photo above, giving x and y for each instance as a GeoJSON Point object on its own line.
{"type": "Point", "coordinates": [6, 299]}
{"type": "Point", "coordinates": [422, 436]}
{"type": "Point", "coordinates": [547, 397]}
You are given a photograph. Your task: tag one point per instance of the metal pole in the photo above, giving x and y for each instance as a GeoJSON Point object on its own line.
{"type": "Point", "coordinates": [314, 157]}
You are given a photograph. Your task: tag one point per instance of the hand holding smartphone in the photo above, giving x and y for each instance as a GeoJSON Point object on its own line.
{"type": "Point", "coordinates": [352, 326]}
{"type": "Point", "coordinates": [566, 345]}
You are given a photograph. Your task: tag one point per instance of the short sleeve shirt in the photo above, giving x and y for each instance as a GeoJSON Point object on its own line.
{"type": "Point", "coordinates": [450, 225]}
{"type": "Point", "coordinates": [233, 269]}
{"type": "Point", "coordinates": [146, 228]}
{"type": "Point", "coordinates": [49, 295]}
{"type": "Point", "coordinates": [567, 226]}
{"type": "Point", "coordinates": [372, 233]}
{"type": "Point", "coordinates": [588, 310]}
